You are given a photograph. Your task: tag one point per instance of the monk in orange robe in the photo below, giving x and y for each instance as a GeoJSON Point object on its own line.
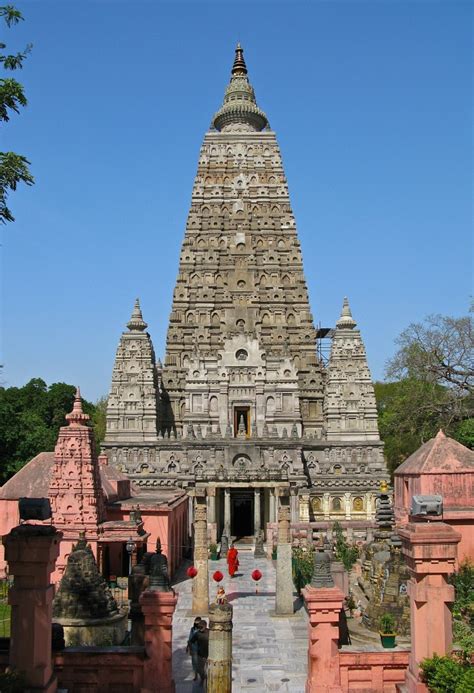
{"type": "Point", "coordinates": [232, 560]}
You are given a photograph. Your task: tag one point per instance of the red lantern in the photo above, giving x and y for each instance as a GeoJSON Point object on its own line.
{"type": "Point", "coordinates": [217, 576]}
{"type": "Point", "coordinates": [191, 571]}
{"type": "Point", "coordinates": [256, 576]}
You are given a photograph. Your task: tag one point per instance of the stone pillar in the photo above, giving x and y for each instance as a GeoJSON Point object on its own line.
{"type": "Point", "coordinates": [190, 516]}
{"type": "Point", "coordinates": [430, 551]}
{"type": "Point", "coordinates": [227, 524]}
{"type": "Point", "coordinates": [158, 608]}
{"type": "Point", "coordinates": [284, 577]}
{"type": "Point", "coordinates": [271, 514]}
{"type": "Point", "coordinates": [304, 508]}
{"type": "Point", "coordinates": [326, 505]}
{"type": "Point", "coordinates": [211, 509]}
{"type": "Point", "coordinates": [340, 577]}
{"type": "Point", "coordinates": [257, 511]}
{"type": "Point", "coordinates": [348, 506]}
{"type": "Point", "coordinates": [294, 509]}
{"type": "Point", "coordinates": [201, 581]}
{"type": "Point", "coordinates": [324, 605]}
{"type": "Point", "coordinates": [31, 552]}
{"type": "Point", "coordinates": [219, 673]}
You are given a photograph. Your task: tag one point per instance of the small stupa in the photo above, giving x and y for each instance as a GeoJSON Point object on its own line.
{"type": "Point", "coordinates": [84, 604]}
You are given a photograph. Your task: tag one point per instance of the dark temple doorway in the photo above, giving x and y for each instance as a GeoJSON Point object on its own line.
{"type": "Point", "coordinates": [241, 514]}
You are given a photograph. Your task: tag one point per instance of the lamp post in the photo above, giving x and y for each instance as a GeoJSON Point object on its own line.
{"type": "Point", "coordinates": [130, 546]}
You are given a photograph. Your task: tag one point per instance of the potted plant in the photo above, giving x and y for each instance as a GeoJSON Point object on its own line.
{"type": "Point", "coordinates": [387, 628]}
{"type": "Point", "coordinates": [274, 552]}
{"type": "Point", "coordinates": [213, 551]}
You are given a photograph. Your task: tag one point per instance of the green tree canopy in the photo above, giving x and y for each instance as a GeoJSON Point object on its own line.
{"type": "Point", "coordinates": [30, 418]}
{"type": "Point", "coordinates": [14, 168]}
{"type": "Point", "coordinates": [431, 387]}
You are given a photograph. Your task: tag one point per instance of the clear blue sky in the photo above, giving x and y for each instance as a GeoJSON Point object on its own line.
{"type": "Point", "coordinates": [372, 106]}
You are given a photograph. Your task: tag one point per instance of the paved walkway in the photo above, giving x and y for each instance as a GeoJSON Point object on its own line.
{"type": "Point", "coordinates": [269, 653]}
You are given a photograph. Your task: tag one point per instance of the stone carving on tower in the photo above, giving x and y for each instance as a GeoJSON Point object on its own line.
{"type": "Point", "coordinates": [349, 404]}
{"type": "Point", "coordinates": [132, 403]}
{"type": "Point", "coordinates": [243, 399]}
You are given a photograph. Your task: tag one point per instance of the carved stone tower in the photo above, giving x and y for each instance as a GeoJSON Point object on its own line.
{"type": "Point", "coordinates": [239, 406]}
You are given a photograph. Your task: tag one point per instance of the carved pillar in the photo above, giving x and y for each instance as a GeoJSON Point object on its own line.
{"type": "Point", "coordinates": [31, 552]}
{"type": "Point", "coordinates": [271, 515]}
{"type": "Point", "coordinates": [324, 605]}
{"type": "Point", "coordinates": [227, 520]}
{"type": "Point", "coordinates": [326, 506]}
{"type": "Point", "coordinates": [201, 581]}
{"type": "Point", "coordinates": [304, 508]}
{"type": "Point", "coordinates": [294, 514]}
{"type": "Point", "coordinates": [257, 511]}
{"type": "Point", "coordinates": [211, 510]}
{"type": "Point", "coordinates": [158, 608]}
{"type": "Point", "coordinates": [430, 551]}
{"type": "Point", "coordinates": [219, 673]}
{"type": "Point", "coordinates": [190, 516]}
{"type": "Point", "coordinates": [347, 504]}
{"type": "Point", "coordinates": [368, 505]}
{"type": "Point", "coordinates": [284, 577]}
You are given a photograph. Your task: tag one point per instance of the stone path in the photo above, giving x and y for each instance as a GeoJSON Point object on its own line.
{"type": "Point", "coordinates": [269, 653]}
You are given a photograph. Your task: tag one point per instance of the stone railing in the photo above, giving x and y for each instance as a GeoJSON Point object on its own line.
{"type": "Point", "coordinates": [372, 671]}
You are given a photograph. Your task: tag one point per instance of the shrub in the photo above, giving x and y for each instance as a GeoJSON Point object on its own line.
{"type": "Point", "coordinates": [302, 567]}
{"type": "Point", "coordinates": [444, 674]}
{"type": "Point", "coordinates": [346, 553]}
{"type": "Point", "coordinates": [387, 624]}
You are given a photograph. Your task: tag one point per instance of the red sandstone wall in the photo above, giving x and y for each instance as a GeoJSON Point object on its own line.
{"type": "Point", "coordinates": [104, 670]}
{"type": "Point", "coordinates": [9, 518]}
{"type": "Point", "coordinates": [373, 672]}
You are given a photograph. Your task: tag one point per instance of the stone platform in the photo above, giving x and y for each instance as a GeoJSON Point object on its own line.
{"type": "Point", "coordinates": [269, 653]}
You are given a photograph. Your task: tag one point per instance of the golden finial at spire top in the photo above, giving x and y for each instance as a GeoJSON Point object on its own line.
{"type": "Point", "coordinates": [239, 67]}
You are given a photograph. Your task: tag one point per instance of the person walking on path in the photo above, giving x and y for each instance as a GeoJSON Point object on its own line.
{"type": "Point", "coordinates": [201, 637]}
{"type": "Point", "coordinates": [232, 560]}
{"type": "Point", "coordinates": [192, 646]}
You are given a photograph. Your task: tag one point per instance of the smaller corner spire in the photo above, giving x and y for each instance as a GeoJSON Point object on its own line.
{"type": "Point", "coordinates": [239, 67]}
{"type": "Point", "coordinates": [136, 322]}
{"type": "Point", "coordinates": [346, 321]}
{"type": "Point", "coordinates": [77, 416]}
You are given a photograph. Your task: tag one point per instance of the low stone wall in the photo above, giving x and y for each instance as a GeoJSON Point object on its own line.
{"type": "Point", "coordinates": [372, 672]}
{"type": "Point", "coordinates": [100, 669]}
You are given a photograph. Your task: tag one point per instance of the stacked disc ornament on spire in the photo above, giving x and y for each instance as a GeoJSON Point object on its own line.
{"type": "Point", "coordinates": [239, 110]}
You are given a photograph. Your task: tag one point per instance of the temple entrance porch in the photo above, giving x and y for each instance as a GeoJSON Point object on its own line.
{"type": "Point", "coordinates": [239, 511]}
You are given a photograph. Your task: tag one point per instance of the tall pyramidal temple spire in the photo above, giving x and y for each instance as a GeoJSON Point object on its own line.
{"type": "Point", "coordinates": [349, 403]}
{"type": "Point", "coordinates": [136, 322]}
{"type": "Point", "coordinates": [239, 111]}
{"type": "Point", "coordinates": [244, 391]}
{"type": "Point", "coordinates": [132, 402]}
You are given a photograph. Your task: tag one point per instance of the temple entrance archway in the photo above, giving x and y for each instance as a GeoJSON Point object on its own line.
{"type": "Point", "coordinates": [242, 513]}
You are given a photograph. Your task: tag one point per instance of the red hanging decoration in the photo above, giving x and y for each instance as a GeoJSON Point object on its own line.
{"type": "Point", "coordinates": [256, 576]}
{"type": "Point", "coordinates": [217, 576]}
{"type": "Point", "coordinates": [191, 571]}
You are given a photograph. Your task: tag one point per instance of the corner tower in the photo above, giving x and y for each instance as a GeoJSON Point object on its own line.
{"type": "Point", "coordinates": [241, 344]}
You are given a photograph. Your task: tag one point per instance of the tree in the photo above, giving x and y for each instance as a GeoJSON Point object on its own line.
{"type": "Point", "coordinates": [433, 370]}
{"type": "Point", "coordinates": [30, 419]}
{"type": "Point", "coordinates": [14, 168]}
{"type": "Point", "coordinates": [439, 350]}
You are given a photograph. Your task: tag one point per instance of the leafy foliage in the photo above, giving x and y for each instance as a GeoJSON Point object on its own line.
{"type": "Point", "coordinates": [12, 681]}
{"type": "Point", "coordinates": [14, 168]}
{"type": "Point", "coordinates": [30, 418]}
{"type": "Point", "coordinates": [439, 350]}
{"type": "Point", "coordinates": [387, 624]}
{"type": "Point", "coordinates": [302, 561]}
{"type": "Point", "coordinates": [345, 552]}
{"type": "Point", "coordinates": [447, 675]}
{"type": "Point", "coordinates": [434, 367]}
{"type": "Point", "coordinates": [463, 609]}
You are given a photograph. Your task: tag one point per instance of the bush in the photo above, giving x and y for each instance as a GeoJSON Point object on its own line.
{"type": "Point", "coordinates": [387, 624]}
{"type": "Point", "coordinates": [466, 684]}
{"type": "Point", "coordinates": [445, 675]}
{"type": "Point", "coordinates": [302, 567]}
{"type": "Point", "coordinates": [463, 637]}
{"type": "Point", "coordinates": [346, 553]}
